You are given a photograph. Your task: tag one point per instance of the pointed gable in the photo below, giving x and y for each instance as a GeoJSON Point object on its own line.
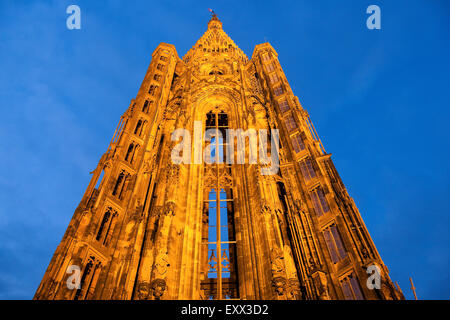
{"type": "Point", "coordinates": [215, 41]}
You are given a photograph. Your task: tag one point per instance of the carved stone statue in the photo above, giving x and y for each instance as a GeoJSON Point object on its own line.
{"type": "Point", "coordinates": [158, 287]}
{"type": "Point", "coordinates": [278, 272]}
{"type": "Point", "coordinates": [279, 284]}
{"type": "Point", "coordinates": [277, 263]}
{"type": "Point", "coordinates": [143, 291]}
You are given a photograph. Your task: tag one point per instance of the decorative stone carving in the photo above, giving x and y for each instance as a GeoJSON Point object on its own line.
{"type": "Point", "coordinates": [158, 286]}
{"type": "Point", "coordinates": [277, 263]}
{"type": "Point", "coordinates": [108, 163]}
{"type": "Point", "coordinates": [278, 274]}
{"type": "Point", "coordinates": [173, 171]}
{"type": "Point", "coordinates": [161, 262]}
{"type": "Point", "coordinates": [143, 291]}
{"type": "Point", "coordinates": [284, 274]}
{"type": "Point", "coordinates": [321, 285]}
{"type": "Point", "coordinates": [279, 285]}
{"type": "Point", "coordinates": [265, 208]}
{"type": "Point", "coordinates": [293, 285]}
{"type": "Point", "coordinates": [215, 75]}
{"type": "Point", "coordinates": [169, 209]}
{"type": "Point", "coordinates": [147, 168]}
{"type": "Point", "coordinates": [293, 289]}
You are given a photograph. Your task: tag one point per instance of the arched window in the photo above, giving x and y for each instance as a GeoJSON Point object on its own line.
{"type": "Point", "coordinates": [350, 287]}
{"type": "Point", "coordinates": [221, 245]}
{"type": "Point", "coordinates": [219, 251]}
{"type": "Point", "coordinates": [297, 143]}
{"type": "Point", "coordinates": [89, 279]}
{"type": "Point", "coordinates": [134, 154]}
{"type": "Point", "coordinates": [217, 72]}
{"type": "Point", "coordinates": [105, 220]}
{"type": "Point", "coordinates": [145, 107]}
{"type": "Point", "coordinates": [143, 127]}
{"type": "Point", "coordinates": [307, 169]}
{"type": "Point", "coordinates": [120, 184]}
{"type": "Point", "coordinates": [334, 243]}
{"type": "Point", "coordinates": [152, 89]}
{"type": "Point", "coordinates": [138, 129]}
{"type": "Point", "coordinates": [129, 151]}
{"type": "Point", "coordinates": [87, 271]}
{"type": "Point", "coordinates": [106, 227]}
{"type": "Point", "coordinates": [319, 201]}
{"type": "Point", "coordinates": [216, 126]}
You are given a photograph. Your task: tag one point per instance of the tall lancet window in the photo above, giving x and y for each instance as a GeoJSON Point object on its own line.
{"type": "Point", "coordinates": [215, 130]}
{"type": "Point", "coordinates": [221, 276]}
{"type": "Point", "coordinates": [106, 226]}
{"type": "Point", "coordinates": [219, 280]}
{"type": "Point", "coordinates": [89, 279]}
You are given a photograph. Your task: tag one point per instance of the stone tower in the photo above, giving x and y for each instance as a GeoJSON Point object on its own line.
{"type": "Point", "coordinates": [149, 227]}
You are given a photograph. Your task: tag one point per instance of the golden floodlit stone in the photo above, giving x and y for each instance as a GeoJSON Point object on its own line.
{"type": "Point", "coordinates": [149, 228]}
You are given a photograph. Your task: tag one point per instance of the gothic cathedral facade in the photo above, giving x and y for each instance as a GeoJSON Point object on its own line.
{"type": "Point", "coordinates": [151, 229]}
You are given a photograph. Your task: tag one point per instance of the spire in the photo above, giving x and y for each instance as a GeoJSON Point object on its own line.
{"type": "Point", "coordinates": [214, 41]}
{"type": "Point", "coordinates": [214, 23]}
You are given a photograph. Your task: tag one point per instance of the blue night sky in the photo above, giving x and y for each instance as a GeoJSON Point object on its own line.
{"type": "Point", "coordinates": [379, 100]}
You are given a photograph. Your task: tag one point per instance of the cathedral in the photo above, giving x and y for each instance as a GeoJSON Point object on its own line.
{"type": "Point", "coordinates": [152, 228]}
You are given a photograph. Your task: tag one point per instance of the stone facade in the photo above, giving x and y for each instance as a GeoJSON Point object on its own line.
{"type": "Point", "coordinates": [147, 228]}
